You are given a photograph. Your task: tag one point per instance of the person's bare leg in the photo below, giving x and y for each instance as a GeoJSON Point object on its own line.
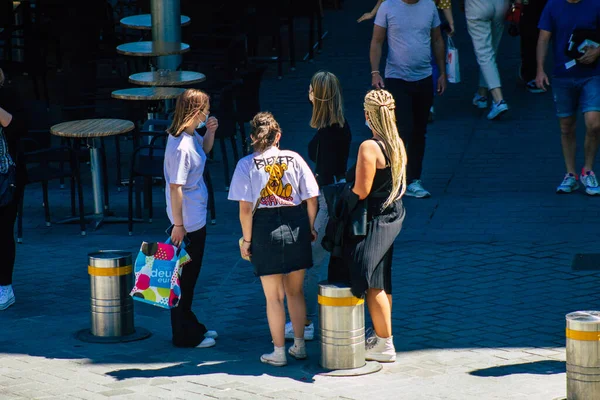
{"type": "Point", "coordinates": [274, 293]}
{"type": "Point", "coordinates": [389, 296]}
{"type": "Point", "coordinates": [381, 312]}
{"type": "Point", "coordinates": [497, 95]}
{"type": "Point", "coordinates": [568, 141]}
{"type": "Point", "coordinates": [592, 138]}
{"type": "Point", "coordinates": [483, 91]}
{"type": "Point", "coordinates": [293, 284]}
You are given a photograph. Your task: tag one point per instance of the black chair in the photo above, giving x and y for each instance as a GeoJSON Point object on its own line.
{"type": "Point", "coordinates": [268, 18]}
{"type": "Point", "coordinates": [147, 163]}
{"type": "Point", "coordinates": [44, 164]}
{"type": "Point", "coordinates": [223, 108]}
{"type": "Point", "coordinates": [247, 100]}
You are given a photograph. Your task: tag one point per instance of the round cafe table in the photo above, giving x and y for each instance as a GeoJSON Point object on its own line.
{"type": "Point", "coordinates": [144, 21]}
{"type": "Point", "coordinates": [148, 93]}
{"type": "Point", "coordinates": [92, 130]}
{"type": "Point", "coordinates": [171, 78]}
{"type": "Point", "coordinates": [152, 49]}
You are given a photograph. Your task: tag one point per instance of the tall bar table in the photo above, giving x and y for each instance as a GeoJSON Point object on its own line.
{"type": "Point", "coordinates": [92, 130]}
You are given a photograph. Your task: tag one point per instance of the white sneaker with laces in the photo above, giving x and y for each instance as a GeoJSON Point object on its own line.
{"type": "Point", "coordinates": [568, 185]}
{"type": "Point", "coordinates": [480, 101]}
{"type": "Point", "coordinates": [588, 178]}
{"type": "Point", "coordinates": [415, 189]}
{"type": "Point", "coordinates": [211, 334]}
{"type": "Point", "coordinates": [380, 349]}
{"type": "Point", "coordinates": [207, 342]}
{"type": "Point", "coordinates": [309, 331]}
{"type": "Point", "coordinates": [7, 297]}
{"type": "Point", "coordinates": [298, 352]}
{"type": "Point", "coordinates": [277, 358]}
{"type": "Point", "coordinates": [497, 109]}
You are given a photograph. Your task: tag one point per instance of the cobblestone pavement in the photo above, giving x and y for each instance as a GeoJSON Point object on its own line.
{"type": "Point", "coordinates": [482, 273]}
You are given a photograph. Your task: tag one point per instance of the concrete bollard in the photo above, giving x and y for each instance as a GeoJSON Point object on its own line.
{"type": "Point", "coordinates": [111, 306]}
{"type": "Point", "coordinates": [583, 355]}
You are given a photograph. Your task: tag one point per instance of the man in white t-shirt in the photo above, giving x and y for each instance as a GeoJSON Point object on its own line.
{"type": "Point", "coordinates": [411, 28]}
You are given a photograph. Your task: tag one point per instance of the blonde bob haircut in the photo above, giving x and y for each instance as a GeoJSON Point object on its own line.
{"type": "Point", "coordinates": [328, 102]}
{"type": "Point", "coordinates": [379, 106]}
{"type": "Point", "coordinates": [189, 105]}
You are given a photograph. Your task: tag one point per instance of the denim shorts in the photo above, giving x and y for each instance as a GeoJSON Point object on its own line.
{"type": "Point", "coordinates": [573, 93]}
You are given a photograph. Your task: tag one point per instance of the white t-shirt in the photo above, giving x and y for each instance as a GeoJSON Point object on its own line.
{"type": "Point", "coordinates": [184, 165]}
{"type": "Point", "coordinates": [279, 178]}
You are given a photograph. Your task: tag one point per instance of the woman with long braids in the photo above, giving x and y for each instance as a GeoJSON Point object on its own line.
{"type": "Point", "coordinates": [379, 178]}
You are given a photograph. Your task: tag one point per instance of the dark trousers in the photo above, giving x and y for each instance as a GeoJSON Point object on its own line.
{"type": "Point", "coordinates": [413, 101]}
{"type": "Point", "coordinates": [8, 215]}
{"type": "Point", "coordinates": [529, 32]}
{"type": "Point", "coordinates": [187, 331]}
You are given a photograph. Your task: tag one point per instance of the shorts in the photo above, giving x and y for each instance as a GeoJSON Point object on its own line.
{"type": "Point", "coordinates": [571, 94]}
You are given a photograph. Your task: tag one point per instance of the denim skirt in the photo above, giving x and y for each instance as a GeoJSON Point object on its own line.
{"type": "Point", "coordinates": [281, 240]}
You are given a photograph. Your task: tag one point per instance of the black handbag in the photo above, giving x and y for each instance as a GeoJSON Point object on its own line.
{"type": "Point", "coordinates": [8, 179]}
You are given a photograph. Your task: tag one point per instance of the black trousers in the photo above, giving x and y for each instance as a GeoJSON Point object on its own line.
{"type": "Point", "coordinates": [413, 101]}
{"type": "Point", "coordinates": [187, 330]}
{"type": "Point", "coordinates": [529, 32]}
{"type": "Point", "coordinates": [8, 215]}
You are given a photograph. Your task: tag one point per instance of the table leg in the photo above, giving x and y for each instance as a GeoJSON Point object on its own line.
{"type": "Point", "coordinates": [96, 166]}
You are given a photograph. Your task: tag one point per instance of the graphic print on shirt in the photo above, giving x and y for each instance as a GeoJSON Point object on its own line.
{"type": "Point", "coordinates": [275, 191]}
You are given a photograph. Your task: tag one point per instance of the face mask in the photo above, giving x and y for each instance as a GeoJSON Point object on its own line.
{"type": "Point", "coordinates": [202, 124]}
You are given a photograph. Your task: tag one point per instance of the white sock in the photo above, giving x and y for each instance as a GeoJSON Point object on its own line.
{"type": "Point", "coordinates": [299, 342]}
{"type": "Point", "coordinates": [279, 350]}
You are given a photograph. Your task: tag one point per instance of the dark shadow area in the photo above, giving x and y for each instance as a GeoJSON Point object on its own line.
{"type": "Point", "coordinates": [546, 367]}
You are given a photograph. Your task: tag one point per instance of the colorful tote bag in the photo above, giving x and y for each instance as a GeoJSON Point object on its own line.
{"type": "Point", "coordinates": [157, 271]}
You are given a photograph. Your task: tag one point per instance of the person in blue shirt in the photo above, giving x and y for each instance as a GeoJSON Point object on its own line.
{"type": "Point", "coordinates": [576, 84]}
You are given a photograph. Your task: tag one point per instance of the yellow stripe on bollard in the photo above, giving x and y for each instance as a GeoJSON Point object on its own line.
{"type": "Point", "coordinates": [118, 271]}
{"type": "Point", "coordinates": [340, 301]}
{"type": "Point", "coordinates": [593, 336]}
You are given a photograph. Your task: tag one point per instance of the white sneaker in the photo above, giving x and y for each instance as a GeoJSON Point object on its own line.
{"type": "Point", "coordinates": [207, 342]}
{"type": "Point", "coordinates": [379, 349]}
{"type": "Point", "coordinates": [309, 331]}
{"type": "Point", "coordinates": [211, 334]}
{"type": "Point", "coordinates": [7, 297]}
{"type": "Point", "coordinates": [568, 185]}
{"type": "Point", "coordinates": [588, 178]}
{"type": "Point", "coordinates": [480, 101]}
{"type": "Point", "coordinates": [276, 358]}
{"type": "Point", "coordinates": [298, 352]}
{"type": "Point", "coordinates": [497, 110]}
{"type": "Point", "coordinates": [415, 189]}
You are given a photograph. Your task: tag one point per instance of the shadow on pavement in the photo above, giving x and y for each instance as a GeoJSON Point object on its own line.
{"type": "Point", "coordinates": [546, 367]}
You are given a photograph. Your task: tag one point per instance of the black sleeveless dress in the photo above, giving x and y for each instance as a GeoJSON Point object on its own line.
{"type": "Point", "coordinates": [369, 258]}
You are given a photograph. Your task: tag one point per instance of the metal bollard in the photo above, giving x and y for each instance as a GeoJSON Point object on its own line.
{"type": "Point", "coordinates": [111, 281]}
{"type": "Point", "coordinates": [583, 355]}
{"type": "Point", "coordinates": [342, 322]}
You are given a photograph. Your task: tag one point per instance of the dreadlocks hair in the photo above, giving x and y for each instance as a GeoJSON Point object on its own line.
{"type": "Point", "coordinates": [379, 106]}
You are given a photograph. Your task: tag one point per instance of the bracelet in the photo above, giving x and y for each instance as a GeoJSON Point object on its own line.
{"type": "Point", "coordinates": [375, 72]}
{"type": "Point", "coordinates": [247, 241]}
{"type": "Point", "coordinates": [179, 226]}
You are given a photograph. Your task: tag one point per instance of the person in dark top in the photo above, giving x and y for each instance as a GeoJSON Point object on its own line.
{"type": "Point", "coordinates": [379, 181]}
{"type": "Point", "coordinates": [12, 127]}
{"type": "Point", "coordinates": [328, 149]}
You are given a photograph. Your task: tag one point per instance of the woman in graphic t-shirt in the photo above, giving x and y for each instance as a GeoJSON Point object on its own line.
{"type": "Point", "coordinates": [281, 190]}
{"type": "Point", "coordinates": [187, 197]}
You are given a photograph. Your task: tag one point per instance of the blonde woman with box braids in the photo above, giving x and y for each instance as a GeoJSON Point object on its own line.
{"type": "Point", "coordinates": [379, 182]}
{"type": "Point", "coordinates": [379, 112]}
